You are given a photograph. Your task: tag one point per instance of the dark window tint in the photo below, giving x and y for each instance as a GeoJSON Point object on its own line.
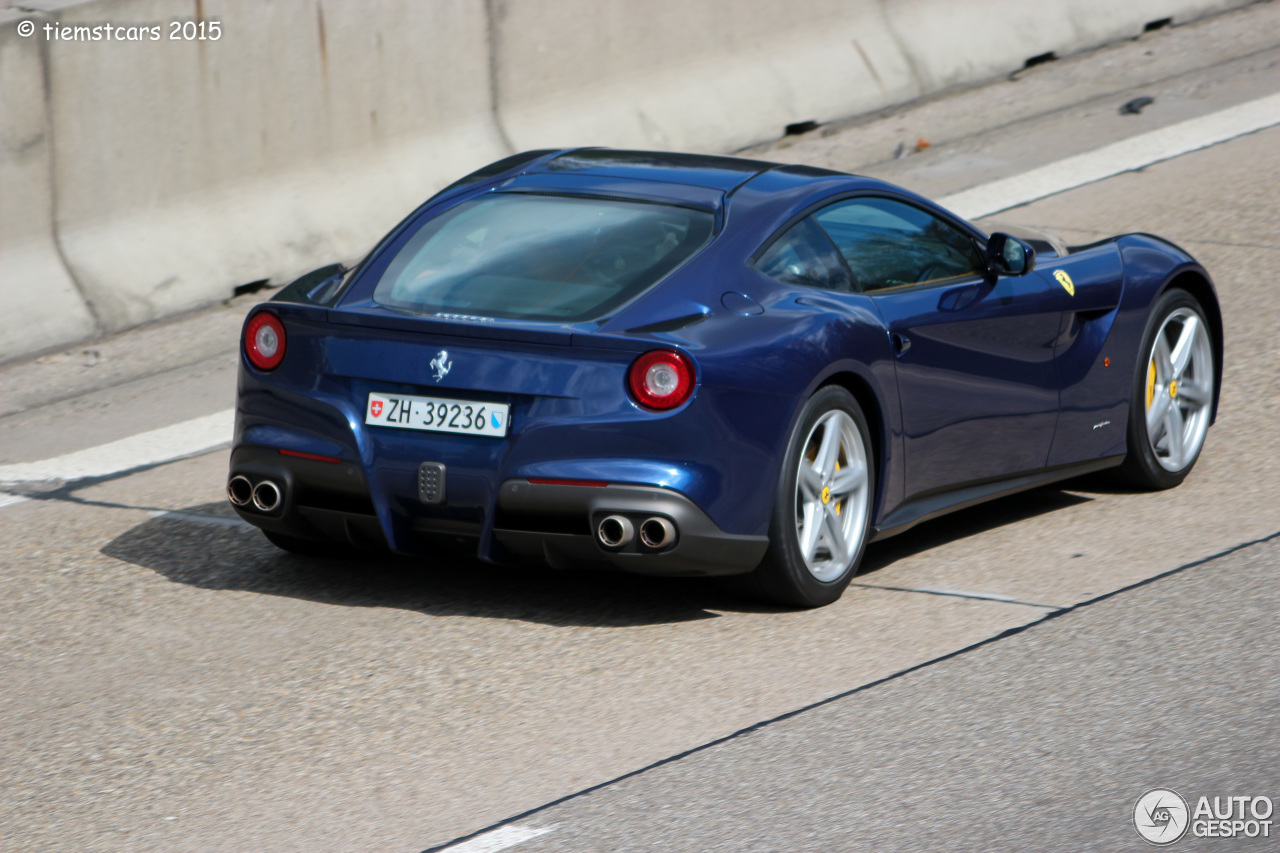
{"type": "Point", "coordinates": [891, 244]}
{"type": "Point", "coordinates": [804, 255]}
{"type": "Point", "coordinates": [558, 258]}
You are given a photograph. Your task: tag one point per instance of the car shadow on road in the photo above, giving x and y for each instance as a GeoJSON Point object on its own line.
{"type": "Point", "coordinates": [191, 547]}
{"type": "Point", "coordinates": [228, 556]}
{"type": "Point", "coordinates": [968, 522]}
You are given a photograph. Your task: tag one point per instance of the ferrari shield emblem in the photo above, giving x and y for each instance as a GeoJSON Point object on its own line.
{"type": "Point", "coordinates": [1065, 280]}
{"type": "Point", "coordinates": [376, 408]}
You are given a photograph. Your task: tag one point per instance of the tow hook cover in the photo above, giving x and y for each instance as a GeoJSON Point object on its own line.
{"type": "Point", "coordinates": [431, 482]}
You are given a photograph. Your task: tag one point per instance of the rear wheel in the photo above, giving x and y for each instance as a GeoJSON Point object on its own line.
{"type": "Point", "coordinates": [1172, 397]}
{"type": "Point", "coordinates": [822, 508]}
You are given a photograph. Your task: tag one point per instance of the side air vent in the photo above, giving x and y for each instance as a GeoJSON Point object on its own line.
{"type": "Point", "coordinates": [674, 324]}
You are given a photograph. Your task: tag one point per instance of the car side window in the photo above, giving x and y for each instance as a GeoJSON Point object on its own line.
{"type": "Point", "coordinates": [804, 255]}
{"type": "Point", "coordinates": [888, 244]}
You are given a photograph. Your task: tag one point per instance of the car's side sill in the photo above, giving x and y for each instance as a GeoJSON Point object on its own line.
{"type": "Point", "coordinates": [925, 507]}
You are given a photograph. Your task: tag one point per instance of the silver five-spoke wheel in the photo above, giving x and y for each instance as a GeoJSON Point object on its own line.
{"type": "Point", "coordinates": [1179, 389]}
{"type": "Point", "coordinates": [831, 496]}
{"type": "Point", "coordinates": [822, 504]}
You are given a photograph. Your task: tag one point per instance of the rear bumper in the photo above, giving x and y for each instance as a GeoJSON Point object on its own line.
{"type": "Point", "coordinates": [320, 500]}
{"type": "Point", "coordinates": [528, 521]}
{"type": "Point", "coordinates": [557, 523]}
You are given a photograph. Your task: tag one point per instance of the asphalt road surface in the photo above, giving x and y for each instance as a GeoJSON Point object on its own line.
{"type": "Point", "coordinates": [1033, 741]}
{"type": "Point", "coordinates": [170, 681]}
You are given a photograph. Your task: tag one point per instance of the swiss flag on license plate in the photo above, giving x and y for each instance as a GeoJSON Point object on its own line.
{"type": "Point", "coordinates": [375, 406]}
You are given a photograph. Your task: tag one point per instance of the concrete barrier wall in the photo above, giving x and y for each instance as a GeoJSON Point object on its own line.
{"type": "Point", "coordinates": [674, 74]}
{"type": "Point", "coordinates": [39, 304]}
{"type": "Point", "coordinates": [299, 137]}
{"type": "Point", "coordinates": [723, 74]}
{"type": "Point", "coordinates": [170, 172]}
{"type": "Point", "coordinates": [949, 43]}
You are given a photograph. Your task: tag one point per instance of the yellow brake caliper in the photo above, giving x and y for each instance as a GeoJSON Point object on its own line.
{"type": "Point", "coordinates": [1151, 382]}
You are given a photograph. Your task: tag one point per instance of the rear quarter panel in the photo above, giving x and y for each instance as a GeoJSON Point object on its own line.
{"type": "Point", "coordinates": [764, 367]}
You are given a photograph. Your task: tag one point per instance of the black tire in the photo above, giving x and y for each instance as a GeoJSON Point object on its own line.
{"type": "Point", "coordinates": [306, 547]}
{"type": "Point", "coordinates": [1141, 468]}
{"type": "Point", "coordinates": [783, 576]}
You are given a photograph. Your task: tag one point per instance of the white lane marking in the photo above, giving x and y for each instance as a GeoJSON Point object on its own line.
{"type": "Point", "coordinates": [194, 436]}
{"type": "Point", "coordinates": [145, 448]}
{"type": "Point", "coordinates": [7, 499]}
{"type": "Point", "coordinates": [1109, 160]}
{"type": "Point", "coordinates": [499, 839]}
{"type": "Point", "coordinates": [199, 518]}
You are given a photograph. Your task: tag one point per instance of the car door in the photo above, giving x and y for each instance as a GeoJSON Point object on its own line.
{"type": "Point", "coordinates": [976, 376]}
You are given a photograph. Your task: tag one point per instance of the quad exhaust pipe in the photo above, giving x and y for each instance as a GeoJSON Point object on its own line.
{"type": "Point", "coordinates": [239, 490]}
{"type": "Point", "coordinates": [657, 533]}
{"type": "Point", "coordinates": [617, 531]}
{"type": "Point", "coordinates": [265, 497]}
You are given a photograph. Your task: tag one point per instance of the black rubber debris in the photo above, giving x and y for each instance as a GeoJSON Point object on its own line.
{"type": "Point", "coordinates": [252, 287]}
{"type": "Point", "coordinates": [1132, 108]}
{"type": "Point", "coordinates": [801, 127]}
{"type": "Point", "coordinates": [1033, 61]}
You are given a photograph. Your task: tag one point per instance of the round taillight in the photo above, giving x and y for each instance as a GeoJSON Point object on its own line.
{"type": "Point", "coordinates": [662, 379]}
{"type": "Point", "coordinates": [264, 340]}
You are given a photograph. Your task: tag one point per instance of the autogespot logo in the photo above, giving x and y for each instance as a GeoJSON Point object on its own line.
{"type": "Point", "coordinates": [1160, 816]}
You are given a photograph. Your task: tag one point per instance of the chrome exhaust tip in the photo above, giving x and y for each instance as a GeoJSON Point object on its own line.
{"type": "Point", "coordinates": [266, 496]}
{"type": "Point", "coordinates": [239, 490]}
{"type": "Point", "coordinates": [657, 533]}
{"type": "Point", "coordinates": [615, 531]}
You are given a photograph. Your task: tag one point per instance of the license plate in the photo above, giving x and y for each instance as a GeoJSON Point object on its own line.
{"type": "Point", "coordinates": [437, 414]}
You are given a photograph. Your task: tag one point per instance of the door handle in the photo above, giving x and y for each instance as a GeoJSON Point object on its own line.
{"type": "Point", "coordinates": [901, 343]}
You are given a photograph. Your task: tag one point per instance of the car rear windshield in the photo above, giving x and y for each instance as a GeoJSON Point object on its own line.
{"type": "Point", "coordinates": [540, 257]}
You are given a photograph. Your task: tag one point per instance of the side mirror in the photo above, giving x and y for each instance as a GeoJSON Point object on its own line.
{"type": "Point", "coordinates": [1007, 255]}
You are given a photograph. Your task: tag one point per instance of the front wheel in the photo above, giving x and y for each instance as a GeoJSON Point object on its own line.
{"type": "Point", "coordinates": [1172, 396]}
{"type": "Point", "coordinates": [822, 507]}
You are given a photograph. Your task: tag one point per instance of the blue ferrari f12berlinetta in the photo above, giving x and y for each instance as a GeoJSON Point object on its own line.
{"type": "Point", "coordinates": [678, 364]}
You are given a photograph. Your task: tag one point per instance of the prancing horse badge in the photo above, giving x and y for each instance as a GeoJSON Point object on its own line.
{"type": "Point", "coordinates": [1065, 280]}
{"type": "Point", "coordinates": [441, 364]}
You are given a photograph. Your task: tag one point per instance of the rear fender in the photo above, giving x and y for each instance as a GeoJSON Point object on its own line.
{"type": "Point", "coordinates": [805, 339]}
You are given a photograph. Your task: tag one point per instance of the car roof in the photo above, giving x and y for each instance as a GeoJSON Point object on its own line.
{"type": "Point", "coordinates": [700, 180]}
{"type": "Point", "coordinates": [764, 193]}
{"type": "Point", "coordinates": [699, 170]}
